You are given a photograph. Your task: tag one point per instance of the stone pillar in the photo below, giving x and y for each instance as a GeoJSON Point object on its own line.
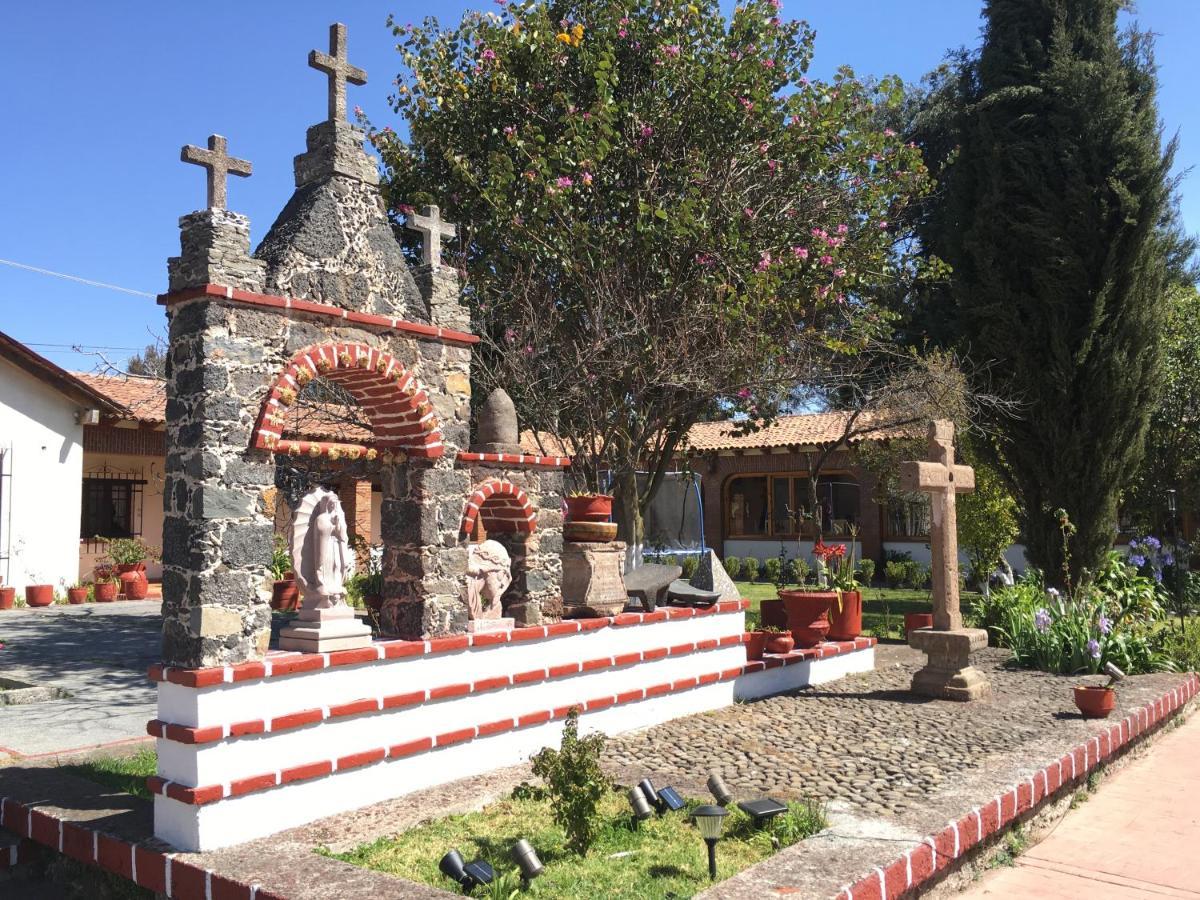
{"type": "Point", "coordinates": [592, 580]}
{"type": "Point", "coordinates": [218, 502]}
{"type": "Point", "coordinates": [439, 286]}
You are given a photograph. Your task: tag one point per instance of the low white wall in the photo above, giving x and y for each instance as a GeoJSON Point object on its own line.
{"type": "Point", "coordinates": [40, 507]}
{"type": "Point", "coordinates": [769, 548]}
{"type": "Point", "coordinates": [921, 553]}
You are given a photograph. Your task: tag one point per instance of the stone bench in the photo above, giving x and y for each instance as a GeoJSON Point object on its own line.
{"type": "Point", "coordinates": [649, 583]}
{"type": "Point", "coordinates": [681, 593]}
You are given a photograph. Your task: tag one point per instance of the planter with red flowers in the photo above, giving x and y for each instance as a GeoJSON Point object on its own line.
{"type": "Point", "coordinates": [128, 556]}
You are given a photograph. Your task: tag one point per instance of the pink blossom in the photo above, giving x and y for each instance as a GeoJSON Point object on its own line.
{"type": "Point", "coordinates": [527, 350]}
{"type": "Point", "coordinates": [671, 50]}
{"type": "Point", "coordinates": [622, 33]}
{"type": "Point", "coordinates": [510, 334]}
{"type": "Point", "coordinates": [510, 130]}
{"type": "Point", "coordinates": [778, 4]}
{"type": "Point", "coordinates": [764, 261]}
{"type": "Point", "coordinates": [800, 252]}
{"type": "Point", "coordinates": [768, 63]}
{"type": "Point", "coordinates": [747, 105]}
{"type": "Point", "coordinates": [564, 182]}
{"type": "Point", "coordinates": [839, 273]}
{"type": "Point", "coordinates": [820, 233]}
{"type": "Point", "coordinates": [358, 111]}
{"type": "Point", "coordinates": [883, 224]}
{"type": "Point", "coordinates": [647, 131]}
{"type": "Point", "coordinates": [772, 164]}
{"type": "Point", "coordinates": [826, 260]}
{"type": "Point", "coordinates": [489, 53]}
{"type": "Point", "coordinates": [887, 132]}
{"type": "Point", "coordinates": [407, 209]}
{"type": "Point", "coordinates": [804, 81]}
{"type": "Point", "coordinates": [744, 393]}
{"type": "Point", "coordinates": [842, 229]}
{"type": "Point", "coordinates": [748, 213]}
{"type": "Point", "coordinates": [705, 260]}
{"type": "Point", "coordinates": [586, 177]}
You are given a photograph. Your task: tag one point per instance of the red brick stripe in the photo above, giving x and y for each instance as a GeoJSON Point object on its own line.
{"type": "Point", "coordinates": [937, 851]}
{"type": "Point", "coordinates": [516, 459]}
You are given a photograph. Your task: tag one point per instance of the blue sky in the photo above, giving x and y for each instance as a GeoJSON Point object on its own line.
{"type": "Point", "coordinates": [99, 97]}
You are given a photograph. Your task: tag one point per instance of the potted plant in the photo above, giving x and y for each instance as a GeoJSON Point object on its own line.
{"type": "Point", "coordinates": [756, 644]}
{"type": "Point", "coordinates": [8, 596]}
{"type": "Point", "coordinates": [105, 586]}
{"type": "Point", "coordinates": [284, 592]}
{"type": "Point", "coordinates": [77, 593]}
{"type": "Point", "coordinates": [845, 619]}
{"type": "Point", "coordinates": [128, 558]}
{"type": "Point", "coordinates": [39, 594]}
{"type": "Point", "coordinates": [586, 506]}
{"type": "Point", "coordinates": [778, 640]}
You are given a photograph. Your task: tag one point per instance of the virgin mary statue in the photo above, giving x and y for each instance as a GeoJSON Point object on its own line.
{"type": "Point", "coordinates": [321, 548]}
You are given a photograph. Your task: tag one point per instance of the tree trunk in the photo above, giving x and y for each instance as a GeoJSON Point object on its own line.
{"type": "Point", "coordinates": [628, 512]}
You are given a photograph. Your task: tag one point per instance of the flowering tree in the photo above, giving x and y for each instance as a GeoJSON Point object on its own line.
{"type": "Point", "coordinates": [661, 218]}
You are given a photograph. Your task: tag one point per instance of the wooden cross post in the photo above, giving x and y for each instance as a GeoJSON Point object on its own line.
{"type": "Point", "coordinates": [219, 164]}
{"type": "Point", "coordinates": [942, 480]}
{"type": "Point", "coordinates": [337, 67]}
{"type": "Point", "coordinates": [432, 229]}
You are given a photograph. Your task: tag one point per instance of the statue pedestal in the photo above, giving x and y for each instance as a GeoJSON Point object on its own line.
{"type": "Point", "coordinates": [323, 630]}
{"type": "Point", "coordinates": [592, 581]}
{"type": "Point", "coordinates": [487, 626]}
{"type": "Point", "coordinates": [948, 674]}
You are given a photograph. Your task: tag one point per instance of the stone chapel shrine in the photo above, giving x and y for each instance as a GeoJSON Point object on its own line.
{"type": "Point", "coordinates": [252, 738]}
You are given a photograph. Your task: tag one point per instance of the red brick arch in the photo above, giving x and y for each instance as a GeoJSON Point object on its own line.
{"type": "Point", "coordinates": [504, 507]}
{"type": "Point", "coordinates": [398, 407]}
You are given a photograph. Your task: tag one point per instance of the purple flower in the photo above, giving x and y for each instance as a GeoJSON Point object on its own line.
{"type": "Point", "coordinates": [1152, 542]}
{"type": "Point", "coordinates": [489, 53]}
{"type": "Point", "coordinates": [1137, 560]}
{"type": "Point", "coordinates": [1094, 648]}
{"type": "Point", "coordinates": [1104, 624]}
{"type": "Point", "coordinates": [1168, 558]}
{"type": "Point", "coordinates": [1041, 620]}
{"type": "Point", "coordinates": [564, 182]}
{"type": "Point", "coordinates": [1052, 593]}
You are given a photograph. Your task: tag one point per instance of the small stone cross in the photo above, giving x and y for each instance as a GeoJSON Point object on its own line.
{"type": "Point", "coordinates": [335, 65]}
{"type": "Point", "coordinates": [942, 480]}
{"type": "Point", "coordinates": [428, 223]}
{"type": "Point", "coordinates": [219, 164]}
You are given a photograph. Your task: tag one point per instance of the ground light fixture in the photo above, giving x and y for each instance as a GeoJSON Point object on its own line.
{"type": "Point", "coordinates": [710, 820]}
{"type": "Point", "coordinates": [467, 876]}
{"type": "Point", "coordinates": [762, 811]}
{"type": "Point", "coordinates": [646, 786]}
{"type": "Point", "coordinates": [640, 806]}
{"type": "Point", "coordinates": [669, 799]}
{"type": "Point", "coordinates": [527, 861]}
{"type": "Point", "coordinates": [719, 789]}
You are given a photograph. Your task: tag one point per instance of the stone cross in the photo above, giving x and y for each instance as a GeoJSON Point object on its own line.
{"type": "Point", "coordinates": [339, 70]}
{"type": "Point", "coordinates": [942, 480]}
{"type": "Point", "coordinates": [428, 223]}
{"type": "Point", "coordinates": [219, 164]}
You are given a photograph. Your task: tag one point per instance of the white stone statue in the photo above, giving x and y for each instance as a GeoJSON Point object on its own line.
{"type": "Point", "coordinates": [321, 549]}
{"type": "Point", "coordinates": [489, 573]}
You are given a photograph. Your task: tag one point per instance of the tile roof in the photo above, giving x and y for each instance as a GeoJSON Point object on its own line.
{"type": "Point", "coordinates": [144, 399]}
{"type": "Point", "coordinates": [787, 431]}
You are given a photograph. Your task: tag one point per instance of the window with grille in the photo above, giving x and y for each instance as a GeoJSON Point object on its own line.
{"type": "Point", "coordinates": [112, 508]}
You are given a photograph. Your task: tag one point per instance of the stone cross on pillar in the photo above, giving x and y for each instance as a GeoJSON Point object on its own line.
{"type": "Point", "coordinates": [339, 70]}
{"type": "Point", "coordinates": [219, 164]}
{"type": "Point", "coordinates": [948, 673]}
{"type": "Point", "coordinates": [428, 223]}
{"type": "Point", "coordinates": [942, 480]}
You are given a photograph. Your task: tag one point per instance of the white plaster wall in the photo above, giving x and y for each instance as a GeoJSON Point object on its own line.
{"type": "Point", "coordinates": [768, 548]}
{"type": "Point", "coordinates": [921, 553]}
{"type": "Point", "coordinates": [40, 507]}
{"type": "Point", "coordinates": [146, 468]}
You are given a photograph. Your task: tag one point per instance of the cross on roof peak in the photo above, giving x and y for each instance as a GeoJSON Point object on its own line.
{"type": "Point", "coordinates": [428, 223]}
{"type": "Point", "coordinates": [220, 165]}
{"type": "Point", "coordinates": [335, 65]}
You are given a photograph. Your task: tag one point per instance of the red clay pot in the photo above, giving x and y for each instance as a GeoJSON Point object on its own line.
{"type": "Point", "coordinates": [589, 508]}
{"type": "Point", "coordinates": [39, 594]}
{"type": "Point", "coordinates": [8, 597]}
{"type": "Point", "coordinates": [756, 645]}
{"type": "Point", "coordinates": [846, 624]}
{"type": "Point", "coordinates": [77, 596]}
{"type": "Point", "coordinates": [771, 612]}
{"type": "Point", "coordinates": [285, 594]}
{"type": "Point", "coordinates": [1095, 702]}
{"type": "Point", "coordinates": [808, 615]}
{"type": "Point", "coordinates": [134, 585]}
{"type": "Point", "coordinates": [780, 642]}
{"type": "Point", "coordinates": [123, 568]}
{"type": "Point", "coordinates": [106, 591]}
{"type": "Point", "coordinates": [913, 621]}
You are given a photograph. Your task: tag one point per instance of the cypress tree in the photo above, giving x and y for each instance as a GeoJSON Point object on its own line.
{"type": "Point", "coordinates": [1055, 222]}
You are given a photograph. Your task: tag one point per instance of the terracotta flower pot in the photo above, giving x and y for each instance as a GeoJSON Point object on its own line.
{"type": "Point", "coordinates": [134, 585]}
{"type": "Point", "coordinates": [756, 645]}
{"type": "Point", "coordinates": [77, 595]}
{"type": "Point", "coordinates": [846, 624]}
{"type": "Point", "coordinates": [285, 594]}
{"type": "Point", "coordinates": [39, 594]}
{"type": "Point", "coordinates": [106, 591]}
{"type": "Point", "coordinates": [808, 615]}
{"type": "Point", "coordinates": [589, 508]}
{"type": "Point", "coordinates": [1095, 702]}
{"type": "Point", "coordinates": [913, 621]}
{"type": "Point", "coordinates": [8, 597]}
{"type": "Point", "coordinates": [123, 568]}
{"type": "Point", "coordinates": [771, 612]}
{"type": "Point", "coordinates": [780, 642]}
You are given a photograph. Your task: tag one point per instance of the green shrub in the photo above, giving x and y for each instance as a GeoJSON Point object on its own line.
{"type": "Point", "coordinates": [690, 563]}
{"type": "Point", "coordinates": [733, 567]}
{"type": "Point", "coordinates": [575, 782]}
{"type": "Point", "coordinates": [800, 570]}
{"type": "Point", "coordinates": [281, 558]}
{"type": "Point", "coordinates": [916, 576]}
{"type": "Point", "coordinates": [894, 572]}
{"type": "Point", "coordinates": [1181, 643]}
{"type": "Point", "coordinates": [773, 570]}
{"type": "Point", "coordinates": [750, 568]}
{"type": "Point", "coordinates": [866, 568]}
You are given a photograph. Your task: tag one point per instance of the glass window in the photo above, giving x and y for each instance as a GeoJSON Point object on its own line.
{"type": "Point", "coordinates": [108, 508]}
{"type": "Point", "coordinates": [783, 509]}
{"type": "Point", "coordinates": [784, 503]}
{"type": "Point", "coordinates": [908, 516]}
{"type": "Point", "coordinates": [748, 506]}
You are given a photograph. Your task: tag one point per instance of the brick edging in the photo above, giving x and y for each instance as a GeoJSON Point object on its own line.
{"type": "Point", "coordinates": [937, 851]}
{"type": "Point", "coordinates": [206, 794]}
{"type": "Point", "coordinates": [516, 459]}
{"type": "Point", "coordinates": [292, 663]}
{"type": "Point", "coordinates": [250, 298]}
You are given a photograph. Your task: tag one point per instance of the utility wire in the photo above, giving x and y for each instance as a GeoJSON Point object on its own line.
{"type": "Point", "coordinates": [88, 281]}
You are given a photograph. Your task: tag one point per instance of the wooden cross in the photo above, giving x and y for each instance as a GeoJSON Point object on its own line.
{"type": "Point", "coordinates": [428, 223]}
{"type": "Point", "coordinates": [339, 70]}
{"type": "Point", "coordinates": [219, 164]}
{"type": "Point", "coordinates": [942, 480]}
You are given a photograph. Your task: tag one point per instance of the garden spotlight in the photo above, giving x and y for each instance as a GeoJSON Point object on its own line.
{"type": "Point", "coordinates": [710, 820]}
{"type": "Point", "coordinates": [526, 859]}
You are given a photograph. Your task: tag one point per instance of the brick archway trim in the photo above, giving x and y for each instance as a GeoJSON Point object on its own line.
{"type": "Point", "coordinates": [397, 405]}
{"type": "Point", "coordinates": [504, 507]}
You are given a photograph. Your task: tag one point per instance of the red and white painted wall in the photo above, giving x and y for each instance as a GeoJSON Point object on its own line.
{"type": "Point", "coordinates": [249, 750]}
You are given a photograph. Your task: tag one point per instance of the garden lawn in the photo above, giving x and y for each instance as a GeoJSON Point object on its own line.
{"type": "Point", "coordinates": [883, 608]}
{"type": "Point", "coordinates": [123, 773]}
{"type": "Point", "coordinates": [665, 857]}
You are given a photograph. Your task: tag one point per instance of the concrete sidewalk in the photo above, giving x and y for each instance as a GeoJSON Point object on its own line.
{"type": "Point", "coordinates": [1136, 837]}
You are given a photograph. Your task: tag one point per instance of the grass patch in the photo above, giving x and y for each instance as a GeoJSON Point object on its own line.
{"type": "Point", "coordinates": [665, 857]}
{"type": "Point", "coordinates": [1015, 843]}
{"type": "Point", "coordinates": [123, 773]}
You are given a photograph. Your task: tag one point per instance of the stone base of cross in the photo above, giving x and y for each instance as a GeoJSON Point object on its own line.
{"type": "Point", "coordinates": [948, 673]}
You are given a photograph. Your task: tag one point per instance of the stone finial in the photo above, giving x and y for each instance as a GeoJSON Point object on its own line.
{"type": "Point", "coordinates": [428, 223]}
{"type": "Point", "coordinates": [335, 65]}
{"type": "Point", "coordinates": [219, 164]}
{"type": "Point", "coordinates": [496, 428]}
